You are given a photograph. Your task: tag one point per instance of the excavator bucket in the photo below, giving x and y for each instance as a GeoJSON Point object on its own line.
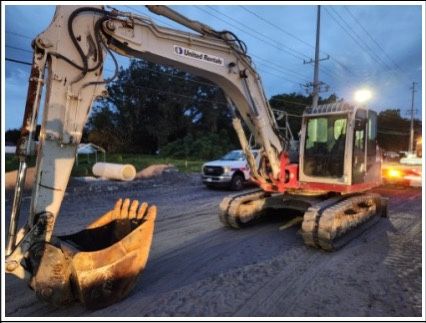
{"type": "Point", "coordinates": [99, 265]}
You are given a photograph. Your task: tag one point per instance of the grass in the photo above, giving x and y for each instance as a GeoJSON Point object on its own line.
{"type": "Point", "coordinates": [84, 167]}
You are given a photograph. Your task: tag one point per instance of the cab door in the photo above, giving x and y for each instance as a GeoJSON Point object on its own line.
{"type": "Point", "coordinates": [373, 172]}
{"type": "Point", "coordinates": [359, 155]}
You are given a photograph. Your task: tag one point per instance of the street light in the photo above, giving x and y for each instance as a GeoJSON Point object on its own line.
{"type": "Point", "coordinates": [363, 95]}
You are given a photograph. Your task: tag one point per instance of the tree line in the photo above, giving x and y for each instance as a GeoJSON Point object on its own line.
{"type": "Point", "coordinates": [155, 109]}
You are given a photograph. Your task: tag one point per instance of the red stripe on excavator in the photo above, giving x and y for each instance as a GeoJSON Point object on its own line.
{"type": "Point", "coordinates": [324, 187]}
{"type": "Point", "coordinates": [289, 180]}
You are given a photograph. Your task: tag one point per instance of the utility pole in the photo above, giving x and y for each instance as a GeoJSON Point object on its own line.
{"type": "Point", "coordinates": [316, 84]}
{"type": "Point", "coordinates": [410, 146]}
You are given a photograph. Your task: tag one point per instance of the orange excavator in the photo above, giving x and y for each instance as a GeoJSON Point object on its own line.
{"type": "Point", "coordinates": [327, 179]}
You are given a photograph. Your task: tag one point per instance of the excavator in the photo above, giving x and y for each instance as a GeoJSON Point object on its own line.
{"type": "Point", "coordinates": [328, 178]}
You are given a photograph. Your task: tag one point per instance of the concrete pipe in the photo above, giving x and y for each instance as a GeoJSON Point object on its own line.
{"type": "Point", "coordinates": [120, 172]}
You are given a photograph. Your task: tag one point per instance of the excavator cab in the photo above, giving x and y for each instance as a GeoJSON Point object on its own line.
{"type": "Point", "coordinates": [338, 164]}
{"type": "Point", "coordinates": [338, 145]}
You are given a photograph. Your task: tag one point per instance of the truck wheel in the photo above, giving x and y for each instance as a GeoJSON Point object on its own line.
{"type": "Point", "coordinates": [237, 182]}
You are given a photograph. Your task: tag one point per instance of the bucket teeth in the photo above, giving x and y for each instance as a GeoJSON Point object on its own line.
{"type": "Point", "coordinates": [104, 260]}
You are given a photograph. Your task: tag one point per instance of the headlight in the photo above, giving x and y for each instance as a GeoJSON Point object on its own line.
{"type": "Point", "coordinates": [227, 169]}
{"type": "Point", "coordinates": [394, 173]}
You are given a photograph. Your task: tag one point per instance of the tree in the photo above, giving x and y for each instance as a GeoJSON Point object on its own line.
{"type": "Point", "coordinates": [12, 135]}
{"type": "Point", "coordinates": [394, 131]}
{"type": "Point", "coordinates": [151, 105]}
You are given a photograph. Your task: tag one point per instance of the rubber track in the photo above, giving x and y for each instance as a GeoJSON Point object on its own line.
{"type": "Point", "coordinates": [330, 226]}
{"type": "Point", "coordinates": [228, 209]}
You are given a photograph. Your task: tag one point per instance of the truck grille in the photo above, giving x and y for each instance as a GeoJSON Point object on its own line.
{"type": "Point", "coordinates": [213, 170]}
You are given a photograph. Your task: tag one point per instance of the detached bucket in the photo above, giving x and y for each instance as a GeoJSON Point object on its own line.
{"type": "Point", "coordinates": [119, 172]}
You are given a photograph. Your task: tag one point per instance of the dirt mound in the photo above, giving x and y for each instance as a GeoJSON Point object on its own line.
{"type": "Point", "coordinates": [155, 170]}
{"type": "Point", "coordinates": [10, 179]}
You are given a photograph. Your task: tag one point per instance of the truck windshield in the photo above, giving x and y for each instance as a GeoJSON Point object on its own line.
{"type": "Point", "coordinates": [234, 155]}
{"type": "Point", "coordinates": [325, 146]}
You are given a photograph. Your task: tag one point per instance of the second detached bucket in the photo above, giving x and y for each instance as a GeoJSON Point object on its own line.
{"type": "Point", "coordinates": [120, 172]}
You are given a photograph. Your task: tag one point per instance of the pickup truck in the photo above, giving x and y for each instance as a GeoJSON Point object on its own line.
{"type": "Point", "coordinates": [230, 171]}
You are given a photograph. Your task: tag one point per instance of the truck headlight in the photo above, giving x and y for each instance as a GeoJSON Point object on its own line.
{"type": "Point", "coordinates": [226, 169]}
{"type": "Point", "coordinates": [394, 173]}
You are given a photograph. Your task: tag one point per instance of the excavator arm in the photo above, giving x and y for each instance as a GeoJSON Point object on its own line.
{"type": "Point", "coordinates": [99, 265]}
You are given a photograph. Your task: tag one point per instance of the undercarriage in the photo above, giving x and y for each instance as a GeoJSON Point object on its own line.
{"type": "Point", "coordinates": [329, 221]}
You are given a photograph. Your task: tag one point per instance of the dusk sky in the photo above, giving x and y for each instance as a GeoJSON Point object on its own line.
{"type": "Point", "coordinates": [379, 47]}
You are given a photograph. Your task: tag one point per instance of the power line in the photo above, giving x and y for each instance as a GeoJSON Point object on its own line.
{"type": "Point", "coordinates": [18, 61]}
{"type": "Point", "coordinates": [276, 26]}
{"type": "Point", "coordinates": [332, 74]}
{"type": "Point", "coordinates": [372, 38]}
{"type": "Point", "coordinates": [266, 62]}
{"type": "Point", "coordinates": [360, 41]}
{"type": "Point", "coordinates": [279, 67]}
{"type": "Point", "coordinates": [362, 45]}
{"type": "Point", "coordinates": [176, 76]}
{"type": "Point", "coordinates": [106, 69]}
{"type": "Point", "coordinates": [255, 31]}
{"type": "Point", "coordinates": [181, 95]}
{"type": "Point", "coordinates": [272, 44]}
{"type": "Point", "coordinates": [293, 36]}
{"type": "Point", "coordinates": [138, 87]}
{"type": "Point", "coordinates": [277, 75]}
{"type": "Point", "coordinates": [18, 34]}
{"type": "Point", "coordinates": [159, 72]}
{"type": "Point", "coordinates": [140, 12]}
{"type": "Point", "coordinates": [225, 21]}
{"type": "Point", "coordinates": [218, 102]}
{"type": "Point", "coordinates": [21, 49]}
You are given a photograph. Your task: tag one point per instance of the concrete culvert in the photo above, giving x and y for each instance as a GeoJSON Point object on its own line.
{"type": "Point", "coordinates": [126, 172]}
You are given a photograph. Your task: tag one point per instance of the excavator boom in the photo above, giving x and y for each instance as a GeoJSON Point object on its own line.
{"type": "Point", "coordinates": [338, 156]}
{"type": "Point", "coordinates": [68, 59]}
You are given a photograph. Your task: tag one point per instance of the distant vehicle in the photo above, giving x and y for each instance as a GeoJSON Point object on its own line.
{"type": "Point", "coordinates": [231, 171]}
{"type": "Point", "coordinates": [406, 172]}
{"type": "Point", "coordinates": [391, 156]}
{"type": "Point", "coordinates": [9, 149]}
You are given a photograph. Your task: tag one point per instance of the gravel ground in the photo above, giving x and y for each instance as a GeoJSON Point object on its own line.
{"type": "Point", "coordinates": [199, 268]}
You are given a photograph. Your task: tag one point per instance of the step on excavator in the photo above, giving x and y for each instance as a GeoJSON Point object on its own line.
{"type": "Point", "coordinates": [328, 179]}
